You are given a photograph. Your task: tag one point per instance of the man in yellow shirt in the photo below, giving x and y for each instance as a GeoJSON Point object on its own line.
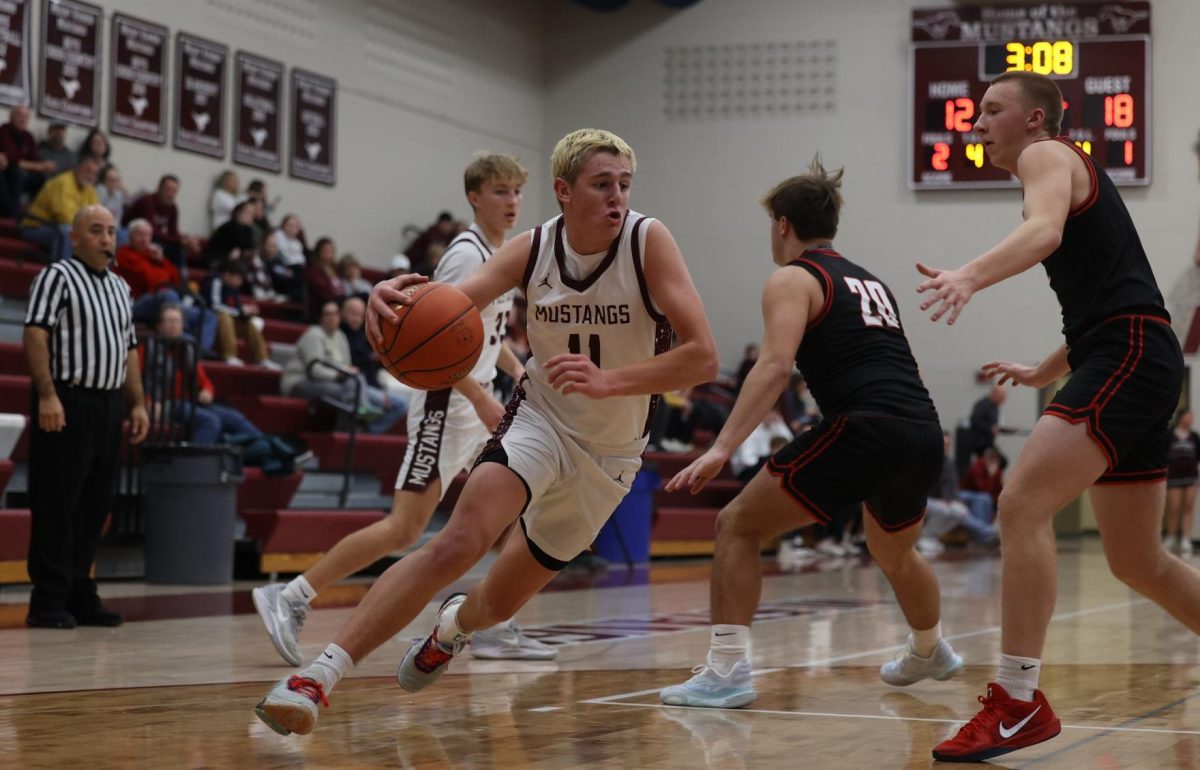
{"type": "Point", "coordinates": [48, 219]}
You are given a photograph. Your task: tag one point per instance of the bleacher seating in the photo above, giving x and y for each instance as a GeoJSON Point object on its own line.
{"type": "Point", "coordinates": [14, 545]}
{"type": "Point", "coordinates": [293, 540]}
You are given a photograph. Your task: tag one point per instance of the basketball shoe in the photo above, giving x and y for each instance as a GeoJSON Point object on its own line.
{"type": "Point", "coordinates": [292, 705]}
{"type": "Point", "coordinates": [709, 689]}
{"type": "Point", "coordinates": [427, 660]}
{"type": "Point", "coordinates": [909, 668]}
{"type": "Point", "coordinates": [282, 618]}
{"type": "Point", "coordinates": [506, 642]}
{"type": "Point", "coordinates": [1004, 724]}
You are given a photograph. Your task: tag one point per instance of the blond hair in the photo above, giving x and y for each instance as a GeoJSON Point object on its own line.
{"type": "Point", "coordinates": [811, 202]}
{"type": "Point", "coordinates": [573, 150]}
{"type": "Point", "coordinates": [493, 166]}
{"type": "Point", "coordinates": [1038, 92]}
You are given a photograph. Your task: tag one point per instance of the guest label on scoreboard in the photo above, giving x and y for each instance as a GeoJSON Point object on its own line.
{"type": "Point", "coordinates": [1099, 54]}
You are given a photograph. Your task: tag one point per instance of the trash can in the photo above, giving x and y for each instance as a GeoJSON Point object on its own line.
{"type": "Point", "coordinates": [190, 507]}
{"type": "Point", "coordinates": [626, 535]}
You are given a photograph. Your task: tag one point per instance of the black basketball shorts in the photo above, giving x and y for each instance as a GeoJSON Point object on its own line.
{"type": "Point", "coordinates": [1125, 379]}
{"type": "Point", "coordinates": [890, 463]}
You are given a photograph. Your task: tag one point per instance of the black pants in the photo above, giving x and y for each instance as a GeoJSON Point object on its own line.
{"type": "Point", "coordinates": [72, 475]}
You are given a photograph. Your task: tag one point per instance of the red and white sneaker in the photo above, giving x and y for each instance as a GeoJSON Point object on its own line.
{"type": "Point", "coordinates": [1004, 724]}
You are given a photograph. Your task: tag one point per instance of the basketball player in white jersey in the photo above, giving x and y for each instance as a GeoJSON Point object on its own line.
{"type": "Point", "coordinates": [446, 430]}
{"type": "Point", "coordinates": [605, 286]}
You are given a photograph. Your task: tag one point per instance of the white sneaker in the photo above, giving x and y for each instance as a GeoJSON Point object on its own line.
{"type": "Point", "coordinates": [292, 705]}
{"type": "Point", "coordinates": [910, 667]}
{"type": "Point", "coordinates": [429, 658]}
{"type": "Point", "coordinates": [1185, 546]}
{"type": "Point", "coordinates": [849, 547]}
{"type": "Point", "coordinates": [506, 642]}
{"type": "Point", "coordinates": [708, 689]}
{"type": "Point", "coordinates": [930, 546]}
{"type": "Point", "coordinates": [283, 620]}
{"type": "Point", "coordinates": [1169, 543]}
{"type": "Point", "coordinates": [830, 548]}
{"type": "Point", "coordinates": [267, 363]}
{"type": "Point", "coordinates": [235, 361]}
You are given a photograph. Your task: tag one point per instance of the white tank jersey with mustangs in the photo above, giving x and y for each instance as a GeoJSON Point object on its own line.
{"type": "Point", "coordinates": [599, 306]}
{"type": "Point", "coordinates": [466, 254]}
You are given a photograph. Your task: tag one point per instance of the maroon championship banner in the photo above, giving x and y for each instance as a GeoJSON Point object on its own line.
{"type": "Point", "coordinates": [139, 79]}
{"type": "Point", "coordinates": [257, 108]}
{"type": "Point", "coordinates": [314, 128]}
{"type": "Point", "coordinates": [200, 95]}
{"type": "Point", "coordinates": [70, 62]}
{"type": "Point", "coordinates": [15, 49]}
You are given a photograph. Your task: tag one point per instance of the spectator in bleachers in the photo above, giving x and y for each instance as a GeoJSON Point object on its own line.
{"type": "Point", "coordinates": [353, 284]}
{"type": "Point", "coordinates": [224, 198]}
{"type": "Point", "coordinates": [399, 264]}
{"type": "Point", "coordinates": [798, 410]}
{"type": "Point", "coordinates": [433, 255]}
{"type": "Point", "coordinates": [95, 143]}
{"type": "Point", "coordinates": [985, 420]}
{"type": "Point", "coordinates": [48, 219]}
{"type": "Point", "coordinates": [260, 275]}
{"type": "Point", "coordinates": [211, 421]}
{"type": "Point", "coordinates": [324, 341]}
{"type": "Point", "coordinates": [982, 483]}
{"type": "Point", "coordinates": [321, 278]}
{"type": "Point", "coordinates": [771, 435]}
{"type": "Point", "coordinates": [234, 238]}
{"type": "Point", "coordinates": [945, 511]}
{"type": "Point", "coordinates": [1183, 464]}
{"type": "Point", "coordinates": [24, 171]}
{"type": "Point", "coordinates": [749, 357]}
{"type": "Point", "coordinates": [159, 209]}
{"type": "Point", "coordinates": [287, 281]}
{"type": "Point", "coordinates": [257, 191]}
{"type": "Point", "coordinates": [442, 232]}
{"type": "Point", "coordinates": [221, 293]}
{"type": "Point", "coordinates": [54, 149]}
{"type": "Point", "coordinates": [353, 325]}
{"type": "Point", "coordinates": [111, 193]}
{"type": "Point", "coordinates": [290, 238]}
{"type": "Point", "coordinates": [154, 281]}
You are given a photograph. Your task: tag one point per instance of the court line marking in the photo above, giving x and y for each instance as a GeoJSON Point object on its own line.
{"type": "Point", "coordinates": [835, 715]}
{"type": "Point", "coordinates": [882, 650]}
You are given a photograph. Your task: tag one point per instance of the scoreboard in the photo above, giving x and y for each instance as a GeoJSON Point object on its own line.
{"type": "Point", "coordinates": [1098, 53]}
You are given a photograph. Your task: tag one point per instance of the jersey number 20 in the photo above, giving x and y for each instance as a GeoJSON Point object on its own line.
{"type": "Point", "coordinates": [873, 291]}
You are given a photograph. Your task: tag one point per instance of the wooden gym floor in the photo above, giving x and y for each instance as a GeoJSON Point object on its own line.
{"type": "Point", "coordinates": [180, 691]}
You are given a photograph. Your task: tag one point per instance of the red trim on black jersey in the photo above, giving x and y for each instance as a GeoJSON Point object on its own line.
{"type": "Point", "coordinates": [1155, 476]}
{"type": "Point", "coordinates": [895, 527]}
{"type": "Point", "coordinates": [534, 248]}
{"type": "Point", "coordinates": [1091, 421]}
{"type": "Point", "coordinates": [1094, 189]}
{"type": "Point", "coordinates": [828, 288]}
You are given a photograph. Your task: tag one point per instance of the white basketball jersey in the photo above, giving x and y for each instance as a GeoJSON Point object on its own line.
{"type": "Point", "coordinates": [466, 254]}
{"type": "Point", "coordinates": [599, 306]}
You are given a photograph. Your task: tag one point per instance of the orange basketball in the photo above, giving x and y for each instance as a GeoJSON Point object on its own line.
{"type": "Point", "coordinates": [437, 341]}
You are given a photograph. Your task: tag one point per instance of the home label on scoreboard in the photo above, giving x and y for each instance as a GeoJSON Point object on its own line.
{"type": "Point", "coordinates": [1098, 53]}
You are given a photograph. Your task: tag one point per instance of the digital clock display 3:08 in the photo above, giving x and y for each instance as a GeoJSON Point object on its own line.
{"type": "Point", "coordinates": [1104, 77]}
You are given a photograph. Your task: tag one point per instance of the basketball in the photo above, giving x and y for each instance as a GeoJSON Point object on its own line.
{"type": "Point", "coordinates": [438, 338]}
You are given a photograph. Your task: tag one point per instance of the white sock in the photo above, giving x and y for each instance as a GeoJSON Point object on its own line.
{"type": "Point", "coordinates": [329, 667]}
{"type": "Point", "coordinates": [728, 645]}
{"type": "Point", "coordinates": [448, 629]}
{"type": "Point", "coordinates": [924, 642]}
{"type": "Point", "coordinates": [298, 590]}
{"type": "Point", "coordinates": [1019, 676]}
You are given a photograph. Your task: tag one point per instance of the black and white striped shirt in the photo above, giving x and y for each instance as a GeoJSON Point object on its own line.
{"type": "Point", "coordinates": [90, 319]}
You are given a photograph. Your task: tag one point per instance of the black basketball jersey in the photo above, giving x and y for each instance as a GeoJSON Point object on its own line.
{"type": "Point", "coordinates": [854, 354]}
{"type": "Point", "coordinates": [1100, 269]}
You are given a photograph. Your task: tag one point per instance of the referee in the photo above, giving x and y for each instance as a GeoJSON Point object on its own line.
{"type": "Point", "coordinates": [81, 349]}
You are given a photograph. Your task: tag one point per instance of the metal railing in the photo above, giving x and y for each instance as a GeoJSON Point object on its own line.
{"type": "Point", "coordinates": [350, 409]}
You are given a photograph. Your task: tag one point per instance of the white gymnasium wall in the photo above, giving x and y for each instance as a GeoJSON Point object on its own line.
{"type": "Point", "coordinates": [422, 84]}
{"type": "Point", "coordinates": [703, 178]}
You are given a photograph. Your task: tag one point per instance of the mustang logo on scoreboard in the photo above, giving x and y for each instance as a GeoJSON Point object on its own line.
{"type": "Point", "coordinates": [939, 24]}
{"type": "Point", "coordinates": [1120, 18]}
